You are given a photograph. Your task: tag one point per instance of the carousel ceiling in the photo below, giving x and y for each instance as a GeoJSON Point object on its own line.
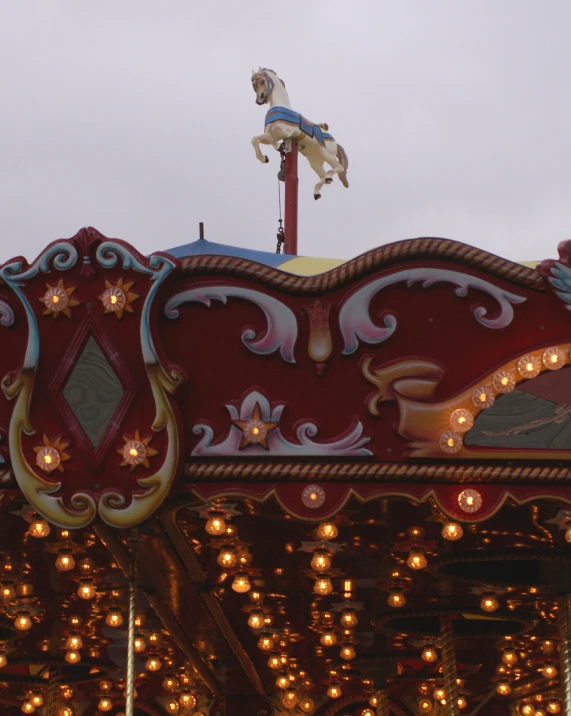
{"type": "Point", "coordinates": [241, 600]}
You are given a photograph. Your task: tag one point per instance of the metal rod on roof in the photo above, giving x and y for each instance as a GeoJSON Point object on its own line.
{"type": "Point", "coordinates": [201, 231]}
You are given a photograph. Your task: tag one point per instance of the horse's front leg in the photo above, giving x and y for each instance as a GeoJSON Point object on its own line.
{"type": "Point", "coordinates": [256, 141]}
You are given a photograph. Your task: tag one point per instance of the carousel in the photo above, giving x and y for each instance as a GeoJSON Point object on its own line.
{"type": "Point", "coordinates": [239, 483]}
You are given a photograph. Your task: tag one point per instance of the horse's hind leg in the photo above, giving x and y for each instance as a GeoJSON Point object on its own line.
{"type": "Point", "coordinates": [316, 163]}
{"type": "Point", "coordinates": [336, 166]}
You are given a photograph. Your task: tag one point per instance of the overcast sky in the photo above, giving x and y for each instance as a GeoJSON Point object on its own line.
{"type": "Point", "coordinates": [136, 117]}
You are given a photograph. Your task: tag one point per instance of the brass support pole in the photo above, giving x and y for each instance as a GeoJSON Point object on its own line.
{"type": "Point", "coordinates": [449, 664]}
{"type": "Point", "coordinates": [130, 691]}
{"type": "Point", "coordinates": [565, 650]}
{"type": "Point", "coordinates": [383, 703]}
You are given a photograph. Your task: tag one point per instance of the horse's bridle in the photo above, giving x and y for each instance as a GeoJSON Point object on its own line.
{"type": "Point", "coordinates": [270, 84]}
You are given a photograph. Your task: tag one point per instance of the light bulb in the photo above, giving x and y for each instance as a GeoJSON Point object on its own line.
{"type": "Point", "coordinates": [241, 583]}
{"type": "Point", "coordinates": [503, 688]}
{"type": "Point", "coordinates": [227, 557]}
{"type": "Point", "coordinates": [8, 591]}
{"type": "Point", "coordinates": [37, 699]}
{"type": "Point", "coordinates": [553, 707]}
{"type": "Point", "coordinates": [74, 641]}
{"type": "Point", "coordinates": [307, 705]}
{"type": "Point", "coordinates": [256, 619]}
{"type": "Point", "coordinates": [549, 670]}
{"type": "Point", "coordinates": [323, 585]}
{"type": "Point", "coordinates": [187, 699]}
{"type": "Point", "coordinates": [348, 618]}
{"type": "Point", "coordinates": [327, 530]}
{"type": "Point", "coordinates": [170, 682]}
{"type": "Point", "coordinates": [289, 699]}
{"type": "Point", "coordinates": [139, 643]}
{"type": "Point", "coordinates": [347, 652]}
{"type": "Point", "coordinates": [23, 621]}
{"type": "Point", "coordinates": [462, 701]}
{"type": "Point", "coordinates": [489, 603]}
{"type": "Point", "coordinates": [114, 617]}
{"type": "Point", "coordinates": [215, 524]}
{"type": "Point", "coordinates": [429, 654]}
{"type": "Point", "coordinates": [282, 681]}
{"type": "Point", "coordinates": [3, 659]}
{"type": "Point", "coordinates": [64, 560]}
{"type": "Point", "coordinates": [275, 661]}
{"type": "Point", "coordinates": [265, 642]}
{"type": "Point", "coordinates": [509, 657]}
{"type": "Point", "coordinates": [396, 598]}
{"type": "Point", "coordinates": [328, 638]}
{"type": "Point", "coordinates": [452, 531]}
{"type": "Point", "coordinates": [527, 710]}
{"type": "Point", "coordinates": [153, 663]}
{"type": "Point", "coordinates": [416, 558]}
{"type": "Point", "coordinates": [425, 706]}
{"type": "Point", "coordinates": [27, 707]}
{"type": "Point", "coordinates": [334, 691]}
{"type": "Point", "coordinates": [172, 706]}
{"type": "Point", "coordinates": [39, 528]}
{"type": "Point", "coordinates": [439, 694]}
{"type": "Point", "coordinates": [73, 656]}
{"type": "Point", "coordinates": [105, 704]}
{"type": "Point", "coordinates": [321, 560]}
{"type": "Point", "coordinates": [86, 589]}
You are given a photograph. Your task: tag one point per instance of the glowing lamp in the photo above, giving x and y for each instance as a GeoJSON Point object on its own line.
{"type": "Point", "coordinates": [396, 598]}
{"type": "Point", "coordinates": [283, 682]}
{"type": "Point", "coordinates": [462, 701]}
{"type": "Point", "coordinates": [256, 619]}
{"type": "Point", "coordinates": [265, 642]}
{"type": "Point", "coordinates": [139, 643]}
{"type": "Point", "coordinates": [503, 688]}
{"type": "Point", "coordinates": [334, 691]}
{"type": "Point", "coordinates": [553, 358]}
{"type": "Point", "coordinates": [170, 682]}
{"type": "Point", "coordinates": [241, 583]}
{"type": "Point", "coordinates": [489, 603]}
{"type": "Point", "coordinates": [187, 699]}
{"type": "Point", "coordinates": [461, 420]}
{"type": "Point", "coordinates": [73, 656]}
{"type": "Point", "coordinates": [105, 704]}
{"type": "Point", "coordinates": [323, 585]}
{"type": "Point", "coordinates": [27, 707]}
{"type": "Point", "coordinates": [416, 558]}
{"type": "Point", "coordinates": [321, 560]}
{"type": "Point", "coordinates": [307, 705]}
{"type": "Point", "coordinates": [3, 659]}
{"type": "Point", "coordinates": [8, 591]}
{"type": "Point", "coordinates": [64, 560]}
{"type": "Point", "coordinates": [23, 620]}
{"type": "Point", "coordinates": [328, 638]}
{"type": "Point", "coordinates": [348, 618]}
{"type": "Point", "coordinates": [504, 381]}
{"type": "Point", "coordinates": [553, 707]}
{"type": "Point", "coordinates": [114, 617]}
{"type": "Point", "coordinates": [425, 706]}
{"type": "Point", "coordinates": [529, 366]}
{"type": "Point", "coordinates": [429, 654]}
{"type": "Point", "coordinates": [549, 670]}
{"type": "Point", "coordinates": [215, 524]}
{"type": "Point", "coordinates": [37, 699]}
{"type": "Point", "coordinates": [527, 710]}
{"type": "Point", "coordinates": [509, 657]}
{"type": "Point", "coordinates": [347, 652]}
{"type": "Point", "coordinates": [153, 663]}
{"type": "Point", "coordinates": [74, 641]}
{"type": "Point", "coordinates": [227, 557]}
{"type": "Point", "coordinates": [451, 442]}
{"type": "Point", "coordinates": [452, 531]}
{"type": "Point", "coordinates": [483, 397]}
{"type": "Point", "coordinates": [327, 530]}
{"type": "Point", "coordinates": [86, 589]}
{"type": "Point", "coordinates": [289, 699]}
{"type": "Point", "coordinates": [39, 528]}
{"type": "Point", "coordinates": [172, 706]}
{"type": "Point", "coordinates": [275, 661]}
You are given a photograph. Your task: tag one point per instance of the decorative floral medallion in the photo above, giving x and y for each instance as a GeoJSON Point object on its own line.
{"type": "Point", "coordinates": [136, 451]}
{"type": "Point", "coordinates": [117, 298]}
{"type": "Point", "coordinates": [57, 299]}
{"type": "Point", "coordinates": [51, 454]}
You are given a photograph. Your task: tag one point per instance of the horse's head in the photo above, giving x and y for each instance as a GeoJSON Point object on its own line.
{"type": "Point", "coordinates": [263, 85]}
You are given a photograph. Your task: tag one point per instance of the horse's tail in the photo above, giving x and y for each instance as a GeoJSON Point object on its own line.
{"type": "Point", "coordinates": [344, 160]}
{"type": "Point", "coordinates": [324, 126]}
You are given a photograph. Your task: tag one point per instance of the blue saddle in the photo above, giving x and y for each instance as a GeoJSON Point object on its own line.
{"type": "Point", "coordinates": [283, 114]}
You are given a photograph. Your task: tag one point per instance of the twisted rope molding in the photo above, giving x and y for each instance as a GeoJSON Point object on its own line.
{"type": "Point", "coordinates": [565, 651]}
{"type": "Point", "coordinates": [408, 250]}
{"type": "Point", "coordinates": [373, 472]}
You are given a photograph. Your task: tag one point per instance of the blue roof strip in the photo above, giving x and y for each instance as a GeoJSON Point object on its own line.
{"type": "Point", "coordinates": [204, 247]}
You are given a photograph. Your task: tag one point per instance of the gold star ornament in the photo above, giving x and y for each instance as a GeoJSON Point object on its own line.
{"type": "Point", "coordinates": [57, 299]}
{"type": "Point", "coordinates": [51, 454]}
{"type": "Point", "coordinates": [255, 431]}
{"type": "Point", "coordinates": [136, 451]}
{"type": "Point", "coordinates": [117, 297]}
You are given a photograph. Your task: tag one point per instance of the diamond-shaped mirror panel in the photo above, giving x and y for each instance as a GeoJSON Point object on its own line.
{"type": "Point", "coordinates": [93, 391]}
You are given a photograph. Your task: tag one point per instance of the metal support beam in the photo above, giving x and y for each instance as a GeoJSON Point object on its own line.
{"type": "Point", "coordinates": [449, 664]}
{"type": "Point", "coordinates": [565, 651]}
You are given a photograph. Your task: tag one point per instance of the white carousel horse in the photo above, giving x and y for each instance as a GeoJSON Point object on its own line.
{"type": "Point", "coordinates": [282, 122]}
